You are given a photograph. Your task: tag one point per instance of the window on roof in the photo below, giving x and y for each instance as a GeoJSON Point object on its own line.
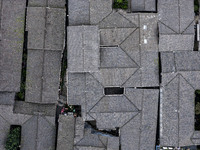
{"type": "Point", "coordinates": [197, 110]}
{"type": "Point", "coordinates": [113, 91]}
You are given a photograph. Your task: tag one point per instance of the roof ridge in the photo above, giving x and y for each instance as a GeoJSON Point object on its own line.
{"type": "Point", "coordinates": [168, 27]}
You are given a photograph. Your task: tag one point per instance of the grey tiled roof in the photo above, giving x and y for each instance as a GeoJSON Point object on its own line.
{"type": "Point", "coordinates": [116, 111]}
{"type": "Point", "coordinates": [143, 5]}
{"type": "Point", "coordinates": [45, 33]}
{"type": "Point", "coordinates": [177, 107]}
{"type": "Point", "coordinates": [115, 57]}
{"type": "Point", "coordinates": [176, 15]}
{"type": "Point", "coordinates": [22, 107]}
{"type": "Point", "coordinates": [7, 118]}
{"type": "Point", "coordinates": [115, 19]}
{"type": "Point", "coordinates": [4, 129]}
{"type": "Point", "coordinates": [12, 34]}
{"type": "Point", "coordinates": [42, 80]}
{"type": "Point", "coordinates": [99, 9]}
{"type": "Point", "coordinates": [114, 36]}
{"type": "Point", "coordinates": [180, 79]}
{"type": "Point", "coordinates": [83, 48]}
{"type": "Point", "coordinates": [140, 132]}
{"type": "Point", "coordinates": [49, 3]}
{"type": "Point", "coordinates": [35, 27]}
{"type": "Point", "coordinates": [38, 132]}
{"type": "Point", "coordinates": [79, 12]}
{"type": "Point", "coordinates": [176, 42]}
{"type": "Point", "coordinates": [147, 74]}
{"type": "Point", "coordinates": [149, 32]}
{"type": "Point", "coordinates": [7, 98]}
{"type": "Point", "coordinates": [176, 25]}
{"type": "Point", "coordinates": [46, 36]}
{"type": "Point", "coordinates": [66, 132]}
{"type": "Point", "coordinates": [180, 61]}
{"type": "Point", "coordinates": [93, 139]}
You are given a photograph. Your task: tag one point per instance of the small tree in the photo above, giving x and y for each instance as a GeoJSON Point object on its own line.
{"type": "Point", "coordinates": [13, 139]}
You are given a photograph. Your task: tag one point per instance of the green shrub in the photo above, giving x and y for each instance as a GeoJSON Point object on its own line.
{"type": "Point", "coordinates": [13, 139]}
{"type": "Point", "coordinates": [197, 108]}
{"type": "Point", "coordinates": [122, 4]}
{"type": "Point", "coordinates": [196, 6]}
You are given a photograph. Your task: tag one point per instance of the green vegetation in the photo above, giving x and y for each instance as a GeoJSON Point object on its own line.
{"type": "Point", "coordinates": [196, 7]}
{"type": "Point", "coordinates": [122, 4]}
{"type": "Point", "coordinates": [21, 95]}
{"type": "Point", "coordinates": [13, 139]}
{"type": "Point", "coordinates": [197, 110]}
{"type": "Point", "coordinates": [63, 72]}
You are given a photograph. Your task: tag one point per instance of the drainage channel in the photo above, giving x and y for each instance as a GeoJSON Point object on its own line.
{"type": "Point", "coordinates": [159, 116]}
{"type": "Point", "coordinates": [20, 96]}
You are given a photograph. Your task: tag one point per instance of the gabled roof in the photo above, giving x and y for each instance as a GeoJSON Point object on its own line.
{"type": "Point", "coordinates": [115, 57]}
{"type": "Point", "coordinates": [176, 15]}
{"type": "Point", "coordinates": [46, 28]}
{"type": "Point", "coordinates": [83, 48]}
{"type": "Point", "coordinates": [11, 41]}
{"type": "Point", "coordinates": [180, 79]}
{"type": "Point", "coordinates": [176, 25]}
{"type": "Point", "coordinates": [66, 132]}
{"type": "Point", "coordinates": [116, 20]}
{"type": "Point", "coordinates": [177, 107]}
{"type": "Point", "coordinates": [38, 132]}
{"type": "Point", "coordinates": [42, 79]}
{"type": "Point", "coordinates": [140, 131]}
